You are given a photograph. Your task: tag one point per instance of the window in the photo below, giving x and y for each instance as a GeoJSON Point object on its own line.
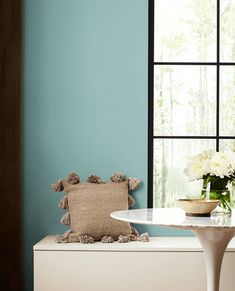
{"type": "Point", "coordinates": [191, 90]}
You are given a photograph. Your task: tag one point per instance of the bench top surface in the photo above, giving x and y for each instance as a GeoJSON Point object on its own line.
{"type": "Point", "coordinates": [161, 244]}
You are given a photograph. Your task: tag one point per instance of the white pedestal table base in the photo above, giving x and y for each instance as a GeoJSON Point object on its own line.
{"type": "Point", "coordinates": [214, 243]}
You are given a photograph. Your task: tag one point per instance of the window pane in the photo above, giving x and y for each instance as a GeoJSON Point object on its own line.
{"type": "Point", "coordinates": [227, 28]}
{"type": "Point", "coordinates": [185, 30]}
{"type": "Point", "coordinates": [184, 100]}
{"type": "Point", "coordinates": [227, 101]}
{"type": "Point", "coordinates": [169, 180]}
{"type": "Point", "coordinates": [227, 144]}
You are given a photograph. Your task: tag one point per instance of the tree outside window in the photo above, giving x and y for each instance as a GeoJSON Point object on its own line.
{"type": "Point", "coordinates": [192, 86]}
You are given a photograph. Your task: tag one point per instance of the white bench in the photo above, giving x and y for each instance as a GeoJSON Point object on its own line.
{"type": "Point", "coordinates": [163, 264]}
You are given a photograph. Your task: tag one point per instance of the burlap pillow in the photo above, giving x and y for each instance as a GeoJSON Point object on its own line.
{"type": "Point", "coordinates": [90, 206]}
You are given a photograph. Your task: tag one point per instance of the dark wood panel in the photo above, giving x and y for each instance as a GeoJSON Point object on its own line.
{"type": "Point", "coordinates": [10, 142]}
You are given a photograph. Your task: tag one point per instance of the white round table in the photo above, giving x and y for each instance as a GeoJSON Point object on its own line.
{"type": "Point", "coordinates": [214, 233]}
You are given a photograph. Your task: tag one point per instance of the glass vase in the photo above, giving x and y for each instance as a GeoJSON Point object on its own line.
{"type": "Point", "coordinates": [219, 189]}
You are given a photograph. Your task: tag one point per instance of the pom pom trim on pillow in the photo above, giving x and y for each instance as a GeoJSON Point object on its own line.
{"type": "Point", "coordinates": [72, 235]}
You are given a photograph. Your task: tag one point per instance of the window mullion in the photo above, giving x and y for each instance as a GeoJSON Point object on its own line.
{"type": "Point", "coordinates": [150, 101]}
{"type": "Point", "coordinates": [218, 77]}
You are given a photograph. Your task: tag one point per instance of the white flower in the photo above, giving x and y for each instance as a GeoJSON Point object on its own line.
{"type": "Point", "coordinates": [220, 164]}
{"type": "Point", "coordinates": [198, 166]}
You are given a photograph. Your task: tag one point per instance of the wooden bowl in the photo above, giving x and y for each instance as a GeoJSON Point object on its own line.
{"type": "Point", "coordinates": [197, 207]}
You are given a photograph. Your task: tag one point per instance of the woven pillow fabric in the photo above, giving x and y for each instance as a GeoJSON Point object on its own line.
{"type": "Point", "coordinates": [90, 206]}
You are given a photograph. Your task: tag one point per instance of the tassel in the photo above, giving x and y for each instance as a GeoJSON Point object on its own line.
{"type": "Point", "coordinates": [144, 237]}
{"type": "Point", "coordinates": [133, 183]}
{"type": "Point", "coordinates": [63, 204]}
{"type": "Point", "coordinates": [132, 237]}
{"type": "Point", "coordinates": [123, 239]}
{"type": "Point", "coordinates": [134, 231]}
{"type": "Point", "coordinates": [94, 179]}
{"type": "Point", "coordinates": [58, 186]}
{"type": "Point", "coordinates": [86, 239]}
{"type": "Point", "coordinates": [131, 201]}
{"type": "Point", "coordinates": [73, 178]}
{"type": "Point", "coordinates": [63, 238]}
{"type": "Point", "coordinates": [117, 177]}
{"type": "Point", "coordinates": [107, 239]}
{"type": "Point", "coordinates": [65, 219]}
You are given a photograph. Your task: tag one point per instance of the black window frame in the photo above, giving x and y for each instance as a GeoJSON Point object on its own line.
{"type": "Point", "coordinates": [151, 65]}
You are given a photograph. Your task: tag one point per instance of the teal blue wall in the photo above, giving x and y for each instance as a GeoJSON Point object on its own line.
{"type": "Point", "coordinates": [85, 102]}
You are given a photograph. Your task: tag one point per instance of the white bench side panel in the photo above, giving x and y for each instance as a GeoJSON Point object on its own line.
{"type": "Point", "coordinates": [115, 271]}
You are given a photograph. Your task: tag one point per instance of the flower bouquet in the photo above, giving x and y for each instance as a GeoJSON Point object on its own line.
{"type": "Point", "coordinates": [217, 171]}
